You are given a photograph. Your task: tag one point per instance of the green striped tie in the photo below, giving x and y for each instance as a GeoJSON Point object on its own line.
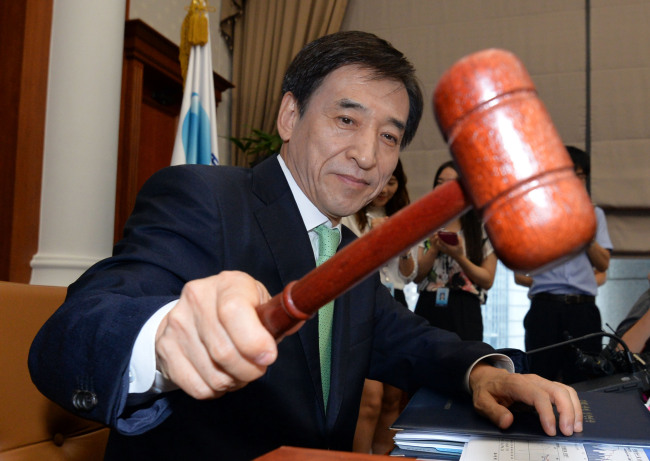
{"type": "Point", "coordinates": [328, 241]}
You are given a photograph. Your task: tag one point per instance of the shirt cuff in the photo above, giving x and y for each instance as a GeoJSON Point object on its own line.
{"type": "Point", "coordinates": [496, 360]}
{"type": "Point", "coordinates": [143, 376]}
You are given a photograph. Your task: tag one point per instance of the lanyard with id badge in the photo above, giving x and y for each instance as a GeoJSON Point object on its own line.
{"type": "Point", "coordinates": [442, 296]}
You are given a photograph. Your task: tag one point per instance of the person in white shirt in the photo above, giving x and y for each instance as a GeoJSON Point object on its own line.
{"type": "Point", "coordinates": [455, 275]}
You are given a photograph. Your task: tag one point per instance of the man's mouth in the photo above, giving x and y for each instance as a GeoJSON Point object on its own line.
{"type": "Point", "coordinates": [353, 180]}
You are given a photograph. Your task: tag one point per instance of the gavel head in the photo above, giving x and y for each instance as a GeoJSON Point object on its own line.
{"type": "Point", "coordinates": [513, 165]}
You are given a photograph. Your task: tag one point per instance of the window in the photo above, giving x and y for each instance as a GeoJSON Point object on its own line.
{"type": "Point", "coordinates": [504, 312]}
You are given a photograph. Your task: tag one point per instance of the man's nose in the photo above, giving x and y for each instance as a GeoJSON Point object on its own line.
{"type": "Point", "coordinates": [364, 149]}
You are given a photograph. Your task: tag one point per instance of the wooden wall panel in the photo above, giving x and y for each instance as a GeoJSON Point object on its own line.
{"type": "Point", "coordinates": [24, 49]}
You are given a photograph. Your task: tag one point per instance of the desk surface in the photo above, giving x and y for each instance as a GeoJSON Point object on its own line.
{"type": "Point", "coordinates": [309, 454]}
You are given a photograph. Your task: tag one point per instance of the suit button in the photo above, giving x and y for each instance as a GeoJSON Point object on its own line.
{"type": "Point", "coordinates": [84, 400]}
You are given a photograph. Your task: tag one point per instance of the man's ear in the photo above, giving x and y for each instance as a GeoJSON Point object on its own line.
{"type": "Point", "coordinates": [287, 116]}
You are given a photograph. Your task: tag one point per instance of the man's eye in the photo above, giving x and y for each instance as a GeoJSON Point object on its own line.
{"type": "Point", "coordinates": [390, 138]}
{"type": "Point", "coordinates": [346, 120]}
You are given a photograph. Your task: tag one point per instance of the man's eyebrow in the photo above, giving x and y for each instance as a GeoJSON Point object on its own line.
{"type": "Point", "coordinates": [398, 124]}
{"type": "Point", "coordinates": [346, 103]}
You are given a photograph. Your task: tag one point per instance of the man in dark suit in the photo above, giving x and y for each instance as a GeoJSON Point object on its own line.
{"type": "Point", "coordinates": [161, 341]}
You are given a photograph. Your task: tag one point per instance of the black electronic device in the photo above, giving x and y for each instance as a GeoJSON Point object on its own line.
{"type": "Point", "coordinates": [612, 370]}
{"type": "Point", "coordinates": [450, 238]}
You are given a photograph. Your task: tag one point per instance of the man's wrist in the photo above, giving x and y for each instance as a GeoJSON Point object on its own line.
{"type": "Point", "coordinates": [494, 360]}
{"type": "Point", "coordinates": [142, 366]}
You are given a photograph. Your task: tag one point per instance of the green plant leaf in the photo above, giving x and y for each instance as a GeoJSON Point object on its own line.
{"type": "Point", "coordinates": [258, 145]}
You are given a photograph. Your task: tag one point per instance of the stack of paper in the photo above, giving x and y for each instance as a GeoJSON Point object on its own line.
{"type": "Point", "coordinates": [434, 426]}
{"type": "Point", "coordinates": [487, 449]}
{"type": "Point", "coordinates": [428, 446]}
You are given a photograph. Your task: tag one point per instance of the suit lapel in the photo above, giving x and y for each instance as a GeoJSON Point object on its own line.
{"type": "Point", "coordinates": [281, 223]}
{"type": "Point", "coordinates": [289, 243]}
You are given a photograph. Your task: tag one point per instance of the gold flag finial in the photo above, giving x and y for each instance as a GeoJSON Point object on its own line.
{"type": "Point", "coordinates": [194, 31]}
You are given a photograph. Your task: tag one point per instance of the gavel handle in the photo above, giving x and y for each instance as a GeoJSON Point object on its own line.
{"type": "Point", "coordinates": [301, 299]}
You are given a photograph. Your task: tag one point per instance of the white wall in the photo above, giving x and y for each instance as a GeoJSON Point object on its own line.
{"type": "Point", "coordinates": [81, 140]}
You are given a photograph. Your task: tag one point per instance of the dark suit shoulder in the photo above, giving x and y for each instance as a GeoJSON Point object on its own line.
{"type": "Point", "coordinates": [211, 176]}
{"type": "Point", "coordinates": [266, 180]}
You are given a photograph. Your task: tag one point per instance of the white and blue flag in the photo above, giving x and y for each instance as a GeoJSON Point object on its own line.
{"type": "Point", "coordinates": [196, 136]}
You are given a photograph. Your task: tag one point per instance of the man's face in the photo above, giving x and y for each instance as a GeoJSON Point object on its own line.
{"type": "Point", "coordinates": [346, 145]}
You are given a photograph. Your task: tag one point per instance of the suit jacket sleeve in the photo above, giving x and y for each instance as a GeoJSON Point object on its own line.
{"type": "Point", "coordinates": [408, 353]}
{"type": "Point", "coordinates": [174, 235]}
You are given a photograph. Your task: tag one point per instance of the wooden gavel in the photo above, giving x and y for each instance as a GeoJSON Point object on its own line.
{"type": "Point", "coordinates": [513, 167]}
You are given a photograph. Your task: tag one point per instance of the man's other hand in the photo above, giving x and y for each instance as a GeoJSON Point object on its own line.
{"type": "Point", "coordinates": [494, 390]}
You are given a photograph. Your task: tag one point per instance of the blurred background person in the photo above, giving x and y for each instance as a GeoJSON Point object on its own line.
{"type": "Point", "coordinates": [634, 330]}
{"type": "Point", "coordinates": [456, 267]}
{"type": "Point", "coordinates": [399, 271]}
{"type": "Point", "coordinates": [563, 299]}
{"type": "Point", "coordinates": [381, 403]}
